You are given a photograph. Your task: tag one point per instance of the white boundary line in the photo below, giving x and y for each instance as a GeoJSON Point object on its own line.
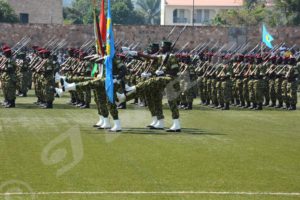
{"type": "Point", "coordinates": [155, 193]}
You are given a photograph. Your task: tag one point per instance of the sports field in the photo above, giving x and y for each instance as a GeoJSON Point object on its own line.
{"type": "Point", "coordinates": [235, 155]}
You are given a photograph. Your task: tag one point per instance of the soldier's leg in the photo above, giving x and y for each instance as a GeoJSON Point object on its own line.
{"type": "Point", "coordinates": [259, 93]}
{"type": "Point", "coordinates": [278, 90]}
{"type": "Point", "coordinates": [284, 94]}
{"type": "Point", "coordinates": [272, 92]}
{"type": "Point", "coordinates": [227, 93]}
{"type": "Point", "coordinates": [11, 91]}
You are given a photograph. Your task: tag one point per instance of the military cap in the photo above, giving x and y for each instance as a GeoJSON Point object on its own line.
{"type": "Point", "coordinates": [166, 44]}
{"type": "Point", "coordinates": [21, 55]}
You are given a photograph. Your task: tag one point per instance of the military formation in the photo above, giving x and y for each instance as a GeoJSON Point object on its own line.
{"type": "Point", "coordinates": [221, 76]}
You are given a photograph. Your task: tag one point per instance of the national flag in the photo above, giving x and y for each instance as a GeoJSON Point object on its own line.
{"type": "Point", "coordinates": [102, 23]}
{"type": "Point", "coordinates": [110, 52]}
{"type": "Point", "coordinates": [98, 40]}
{"type": "Point", "coordinates": [267, 37]}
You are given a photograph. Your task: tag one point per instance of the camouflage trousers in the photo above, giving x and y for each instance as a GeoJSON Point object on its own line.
{"type": "Point", "coordinates": [246, 90]}
{"type": "Point", "coordinates": [278, 90]}
{"type": "Point", "coordinates": [239, 90]}
{"type": "Point", "coordinates": [105, 106]}
{"type": "Point", "coordinates": [292, 87]}
{"type": "Point", "coordinates": [251, 91]}
{"type": "Point", "coordinates": [172, 89]}
{"type": "Point", "coordinates": [284, 91]}
{"type": "Point", "coordinates": [201, 89]}
{"type": "Point", "coordinates": [226, 90]}
{"type": "Point", "coordinates": [258, 91]}
{"type": "Point", "coordinates": [266, 90]}
{"type": "Point", "coordinates": [272, 92]}
{"type": "Point", "coordinates": [48, 86]}
{"type": "Point", "coordinates": [23, 82]}
{"type": "Point", "coordinates": [9, 83]}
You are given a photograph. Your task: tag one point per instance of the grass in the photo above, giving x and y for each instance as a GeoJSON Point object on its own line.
{"type": "Point", "coordinates": [232, 151]}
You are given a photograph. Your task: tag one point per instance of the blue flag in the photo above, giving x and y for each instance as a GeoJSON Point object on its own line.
{"type": "Point", "coordinates": [266, 37]}
{"type": "Point", "coordinates": [110, 53]}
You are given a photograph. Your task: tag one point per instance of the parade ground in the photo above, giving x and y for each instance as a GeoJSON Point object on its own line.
{"type": "Point", "coordinates": [237, 154]}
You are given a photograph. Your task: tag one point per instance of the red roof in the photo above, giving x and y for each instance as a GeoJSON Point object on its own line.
{"type": "Point", "coordinates": [205, 2]}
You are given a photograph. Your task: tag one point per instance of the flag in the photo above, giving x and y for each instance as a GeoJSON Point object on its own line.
{"type": "Point", "coordinates": [98, 40]}
{"type": "Point", "coordinates": [110, 52]}
{"type": "Point", "coordinates": [102, 23]}
{"type": "Point", "coordinates": [95, 69]}
{"type": "Point", "coordinates": [266, 37]}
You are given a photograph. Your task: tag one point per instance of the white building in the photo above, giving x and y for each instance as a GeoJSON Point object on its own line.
{"type": "Point", "coordinates": [180, 12]}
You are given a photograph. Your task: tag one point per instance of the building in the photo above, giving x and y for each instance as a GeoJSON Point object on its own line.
{"type": "Point", "coordinates": [180, 12]}
{"type": "Point", "coordinates": [38, 11]}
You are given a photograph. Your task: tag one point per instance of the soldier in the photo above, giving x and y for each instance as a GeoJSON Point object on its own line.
{"type": "Point", "coordinates": [166, 79]}
{"type": "Point", "coordinates": [9, 79]}
{"type": "Point", "coordinates": [292, 83]}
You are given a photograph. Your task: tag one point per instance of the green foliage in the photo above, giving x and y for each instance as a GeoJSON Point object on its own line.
{"type": "Point", "coordinates": [122, 11]}
{"type": "Point", "coordinates": [290, 10]}
{"type": "Point", "coordinates": [150, 9]}
{"type": "Point", "coordinates": [284, 12]}
{"type": "Point", "coordinates": [72, 16]}
{"type": "Point", "coordinates": [7, 14]}
{"type": "Point", "coordinates": [242, 17]}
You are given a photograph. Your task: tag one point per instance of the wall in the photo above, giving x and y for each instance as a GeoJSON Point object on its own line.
{"type": "Point", "coordinates": [40, 11]}
{"type": "Point", "coordinates": [77, 35]}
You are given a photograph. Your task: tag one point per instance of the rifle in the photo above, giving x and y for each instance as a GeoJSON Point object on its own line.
{"type": "Point", "coordinates": [180, 33]}
{"type": "Point", "coordinates": [170, 33]}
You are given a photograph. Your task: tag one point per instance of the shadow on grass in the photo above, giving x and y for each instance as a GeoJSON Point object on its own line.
{"type": "Point", "coordinates": [55, 106]}
{"type": "Point", "coordinates": [145, 131]}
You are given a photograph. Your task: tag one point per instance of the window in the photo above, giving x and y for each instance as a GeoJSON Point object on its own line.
{"type": "Point", "coordinates": [180, 16]}
{"type": "Point", "coordinates": [198, 16]}
{"type": "Point", "coordinates": [206, 16]}
{"type": "Point", "coordinates": [24, 18]}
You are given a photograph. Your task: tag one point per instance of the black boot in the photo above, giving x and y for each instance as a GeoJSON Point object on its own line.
{"type": "Point", "coordinates": [267, 102]}
{"type": "Point", "coordinates": [85, 106]}
{"type": "Point", "coordinates": [292, 107]}
{"type": "Point", "coordinates": [242, 104]}
{"type": "Point", "coordinates": [287, 106]}
{"type": "Point", "coordinates": [279, 105]}
{"type": "Point", "coordinates": [221, 106]}
{"type": "Point", "coordinates": [273, 104]}
{"type": "Point", "coordinates": [259, 106]}
{"type": "Point", "coordinates": [207, 102]}
{"type": "Point", "coordinates": [48, 105]}
{"type": "Point", "coordinates": [226, 107]}
{"type": "Point", "coordinates": [254, 105]}
{"type": "Point", "coordinates": [122, 106]}
{"type": "Point", "coordinates": [10, 104]}
{"type": "Point", "coordinates": [189, 106]}
{"type": "Point", "coordinates": [238, 102]}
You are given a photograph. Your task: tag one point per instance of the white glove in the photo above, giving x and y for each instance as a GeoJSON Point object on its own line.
{"type": "Point", "coordinates": [159, 73]}
{"type": "Point", "coordinates": [132, 53]}
{"type": "Point", "coordinates": [125, 49]}
{"type": "Point", "coordinates": [145, 75]}
{"type": "Point", "coordinates": [116, 81]}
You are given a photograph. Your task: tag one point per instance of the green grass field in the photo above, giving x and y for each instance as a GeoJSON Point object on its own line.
{"type": "Point", "coordinates": [48, 153]}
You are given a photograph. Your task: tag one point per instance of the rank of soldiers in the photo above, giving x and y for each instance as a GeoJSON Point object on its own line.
{"type": "Point", "coordinates": [221, 76]}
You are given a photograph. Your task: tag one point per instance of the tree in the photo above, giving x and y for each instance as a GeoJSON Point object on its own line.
{"type": "Point", "coordinates": [7, 14]}
{"type": "Point", "coordinates": [242, 17]}
{"type": "Point", "coordinates": [150, 9]}
{"type": "Point", "coordinates": [290, 9]}
{"type": "Point", "coordinates": [72, 16]}
{"type": "Point", "coordinates": [122, 12]}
